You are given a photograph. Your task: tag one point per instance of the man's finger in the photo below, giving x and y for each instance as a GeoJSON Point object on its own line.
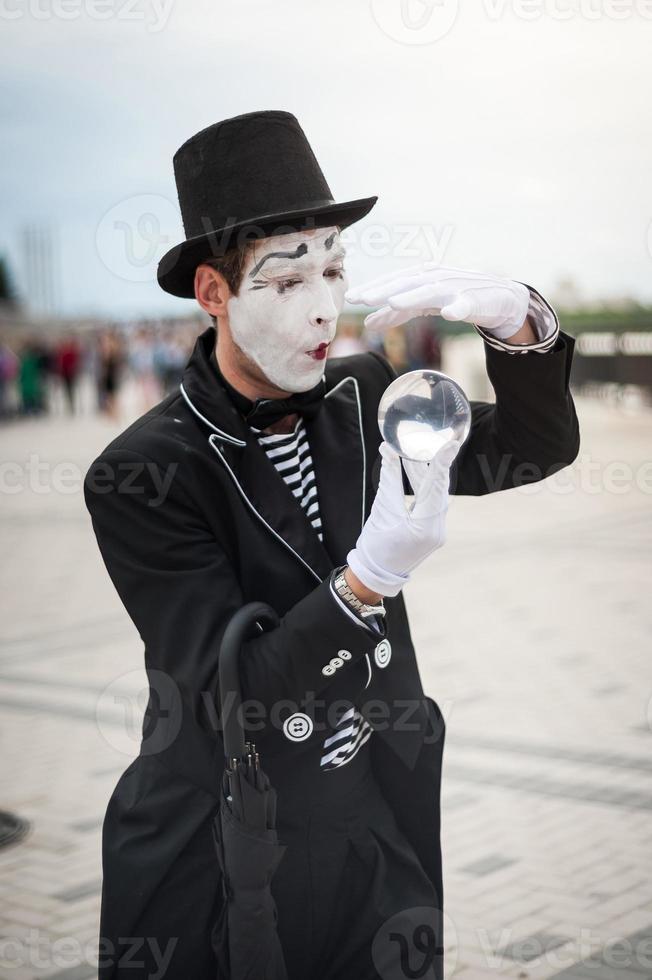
{"type": "Point", "coordinates": [428, 297]}
{"type": "Point", "coordinates": [385, 318]}
{"type": "Point", "coordinates": [460, 309]}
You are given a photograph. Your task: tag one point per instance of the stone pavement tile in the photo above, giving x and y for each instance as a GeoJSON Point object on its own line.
{"type": "Point", "coordinates": [637, 919]}
{"type": "Point", "coordinates": [534, 946]}
{"type": "Point", "coordinates": [599, 971]}
{"type": "Point", "coordinates": [488, 865]}
{"type": "Point", "coordinates": [470, 972]}
{"type": "Point", "coordinates": [81, 972]}
{"type": "Point", "coordinates": [629, 901]}
{"type": "Point", "coordinates": [86, 889]}
{"type": "Point", "coordinates": [624, 959]}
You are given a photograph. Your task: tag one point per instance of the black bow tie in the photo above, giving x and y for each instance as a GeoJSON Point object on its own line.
{"type": "Point", "coordinates": [266, 411]}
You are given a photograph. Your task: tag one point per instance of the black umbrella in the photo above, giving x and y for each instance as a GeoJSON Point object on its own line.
{"type": "Point", "coordinates": [245, 938]}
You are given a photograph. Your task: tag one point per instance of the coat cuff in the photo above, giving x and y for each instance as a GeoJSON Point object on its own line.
{"type": "Point", "coordinates": [374, 622]}
{"type": "Point", "coordinates": [546, 325]}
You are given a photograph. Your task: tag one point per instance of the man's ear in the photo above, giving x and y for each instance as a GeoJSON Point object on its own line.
{"type": "Point", "coordinates": [212, 291]}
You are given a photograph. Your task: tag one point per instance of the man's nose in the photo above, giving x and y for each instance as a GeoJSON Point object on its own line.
{"type": "Point", "coordinates": [324, 311]}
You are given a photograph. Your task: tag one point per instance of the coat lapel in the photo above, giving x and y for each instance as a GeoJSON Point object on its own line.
{"type": "Point", "coordinates": [276, 506]}
{"type": "Point", "coordinates": [338, 451]}
{"type": "Point", "coordinates": [338, 455]}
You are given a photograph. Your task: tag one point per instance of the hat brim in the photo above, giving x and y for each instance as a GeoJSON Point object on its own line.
{"type": "Point", "coordinates": [176, 270]}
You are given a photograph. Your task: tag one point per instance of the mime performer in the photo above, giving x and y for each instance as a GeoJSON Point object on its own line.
{"type": "Point", "coordinates": [264, 478]}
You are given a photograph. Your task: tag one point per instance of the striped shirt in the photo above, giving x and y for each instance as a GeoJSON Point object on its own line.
{"type": "Point", "coordinates": [290, 455]}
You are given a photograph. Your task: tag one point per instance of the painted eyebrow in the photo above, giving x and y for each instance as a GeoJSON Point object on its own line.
{"type": "Point", "coordinates": [298, 252]}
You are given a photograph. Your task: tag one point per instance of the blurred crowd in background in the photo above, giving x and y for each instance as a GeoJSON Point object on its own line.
{"type": "Point", "coordinates": [39, 371]}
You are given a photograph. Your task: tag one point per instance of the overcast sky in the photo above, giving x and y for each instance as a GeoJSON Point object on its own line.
{"type": "Point", "coordinates": [512, 137]}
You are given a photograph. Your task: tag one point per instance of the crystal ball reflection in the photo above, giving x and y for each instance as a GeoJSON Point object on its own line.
{"type": "Point", "coordinates": [421, 411]}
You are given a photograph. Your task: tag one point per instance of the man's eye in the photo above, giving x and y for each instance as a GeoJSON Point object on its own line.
{"type": "Point", "coordinates": [284, 284]}
{"type": "Point", "coordinates": [334, 273]}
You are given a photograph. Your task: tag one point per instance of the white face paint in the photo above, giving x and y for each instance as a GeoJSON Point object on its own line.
{"type": "Point", "coordinates": [291, 295]}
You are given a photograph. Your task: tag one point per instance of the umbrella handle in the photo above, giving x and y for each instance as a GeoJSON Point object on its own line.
{"type": "Point", "coordinates": [239, 628]}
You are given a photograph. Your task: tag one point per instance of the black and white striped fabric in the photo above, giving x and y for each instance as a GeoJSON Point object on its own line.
{"type": "Point", "coordinates": [546, 324]}
{"type": "Point", "coordinates": [290, 454]}
{"type": "Point", "coordinates": [351, 734]}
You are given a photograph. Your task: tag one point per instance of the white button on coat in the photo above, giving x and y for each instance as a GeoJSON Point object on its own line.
{"type": "Point", "coordinates": [383, 653]}
{"type": "Point", "coordinates": [298, 727]}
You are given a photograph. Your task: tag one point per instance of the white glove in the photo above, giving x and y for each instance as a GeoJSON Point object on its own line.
{"type": "Point", "coordinates": [395, 539]}
{"type": "Point", "coordinates": [499, 305]}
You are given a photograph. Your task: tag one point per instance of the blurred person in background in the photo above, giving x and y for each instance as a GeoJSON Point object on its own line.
{"type": "Point", "coordinates": [347, 340]}
{"type": "Point", "coordinates": [142, 348]}
{"type": "Point", "coordinates": [9, 369]}
{"type": "Point", "coordinates": [32, 376]}
{"type": "Point", "coordinates": [68, 364]}
{"type": "Point", "coordinates": [395, 346]}
{"type": "Point", "coordinates": [170, 356]}
{"type": "Point", "coordinates": [423, 345]}
{"type": "Point", "coordinates": [109, 365]}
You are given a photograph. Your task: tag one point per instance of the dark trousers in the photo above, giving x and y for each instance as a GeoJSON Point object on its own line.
{"type": "Point", "coordinates": [352, 898]}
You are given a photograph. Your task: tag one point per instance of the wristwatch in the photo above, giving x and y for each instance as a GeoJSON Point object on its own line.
{"type": "Point", "coordinates": [345, 592]}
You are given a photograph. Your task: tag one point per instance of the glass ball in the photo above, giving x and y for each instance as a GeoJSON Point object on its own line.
{"type": "Point", "coordinates": [421, 411]}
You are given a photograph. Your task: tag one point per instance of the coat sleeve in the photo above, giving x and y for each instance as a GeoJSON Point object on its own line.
{"type": "Point", "coordinates": [180, 590]}
{"type": "Point", "coordinates": [530, 432]}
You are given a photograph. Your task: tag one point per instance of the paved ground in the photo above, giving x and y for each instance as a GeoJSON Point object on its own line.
{"type": "Point", "coordinates": [533, 628]}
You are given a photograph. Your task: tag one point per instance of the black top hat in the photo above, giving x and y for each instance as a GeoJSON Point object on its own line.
{"type": "Point", "coordinates": [245, 178]}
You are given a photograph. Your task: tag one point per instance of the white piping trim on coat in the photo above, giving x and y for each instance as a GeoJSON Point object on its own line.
{"type": "Point", "coordinates": [364, 452]}
{"type": "Point", "coordinates": [253, 509]}
{"type": "Point", "coordinates": [369, 669]}
{"type": "Point", "coordinates": [223, 435]}
{"type": "Point", "coordinates": [218, 433]}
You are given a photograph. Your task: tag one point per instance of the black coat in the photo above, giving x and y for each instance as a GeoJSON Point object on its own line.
{"type": "Point", "coordinates": [193, 521]}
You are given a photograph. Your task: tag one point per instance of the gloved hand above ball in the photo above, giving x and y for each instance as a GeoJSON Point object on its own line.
{"type": "Point", "coordinates": [499, 305]}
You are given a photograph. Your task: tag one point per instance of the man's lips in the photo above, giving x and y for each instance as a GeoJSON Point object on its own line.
{"type": "Point", "coordinates": [319, 353]}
